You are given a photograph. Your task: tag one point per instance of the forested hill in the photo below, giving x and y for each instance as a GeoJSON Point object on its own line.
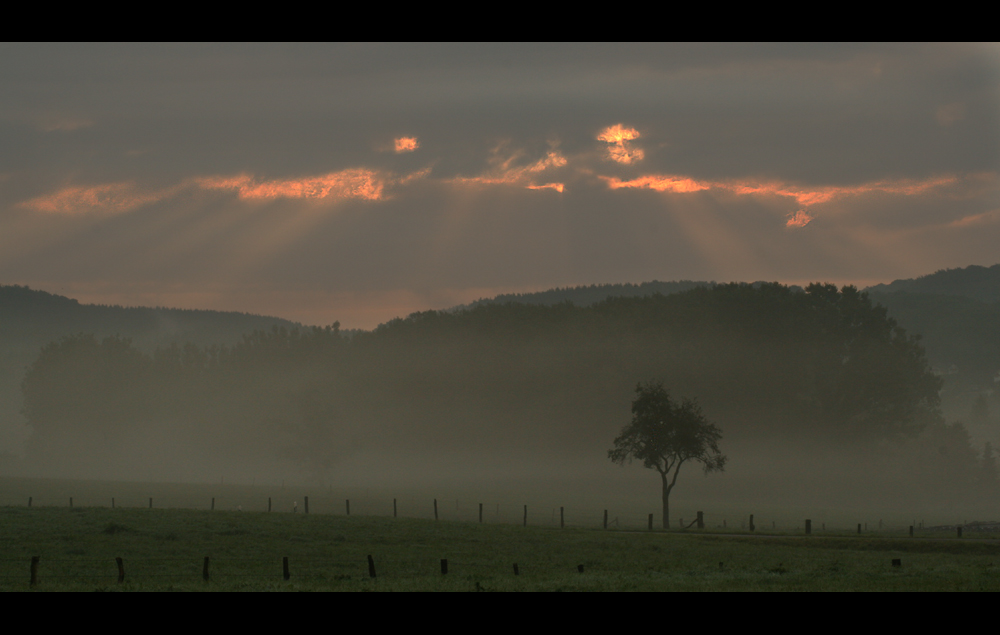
{"type": "Point", "coordinates": [501, 380]}
{"type": "Point", "coordinates": [43, 316]}
{"type": "Point", "coordinates": [588, 295]}
{"type": "Point", "coordinates": [957, 311]}
{"type": "Point", "coordinates": [975, 282]}
{"type": "Point", "coordinates": [30, 319]}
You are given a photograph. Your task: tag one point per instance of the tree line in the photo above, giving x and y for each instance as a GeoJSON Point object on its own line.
{"type": "Point", "coordinates": [766, 362]}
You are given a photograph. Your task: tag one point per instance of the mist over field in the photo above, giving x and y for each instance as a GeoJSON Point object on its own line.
{"type": "Point", "coordinates": [823, 399]}
{"type": "Point", "coordinates": [455, 267]}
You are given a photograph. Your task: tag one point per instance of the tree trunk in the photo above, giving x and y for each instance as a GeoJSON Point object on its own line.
{"type": "Point", "coordinates": [666, 502]}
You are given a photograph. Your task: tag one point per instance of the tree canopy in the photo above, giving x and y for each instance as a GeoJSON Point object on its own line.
{"type": "Point", "coordinates": [766, 361]}
{"type": "Point", "coordinates": [664, 435]}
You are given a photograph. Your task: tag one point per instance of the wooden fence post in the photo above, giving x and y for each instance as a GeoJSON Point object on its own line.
{"type": "Point", "coordinates": [809, 526]}
{"type": "Point", "coordinates": [911, 531]}
{"type": "Point", "coordinates": [268, 503]}
{"type": "Point", "coordinates": [579, 568]}
{"type": "Point", "coordinates": [650, 528]}
{"type": "Point", "coordinates": [752, 526]}
{"type": "Point", "coordinates": [394, 508]}
{"type": "Point", "coordinates": [605, 519]}
{"type": "Point", "coordinates": [435, 509]}
{"type": "Point", "coordinates": [562, 518]}
{"type": "Point", "coordinates": [70, 501]}
{"type": "Point", "coordinates": [516, 572]}
{"type": "Point", "coordinates": [859, 529]}
{"type": "Point", "coordinates": [121, 570]}
{"type": "Point", "coordinates": [347, 503]}
{"type": "Point", "coordinates": [307, 503]}
{"type": "Point", "coordinates": [204, 570]}
{"type": "Point", "coordinates": [371, 567]}
{"type": "Point", "coordinates": [701, 520]}
{"type": "Point", "coordinates": [284, 568]}
{"type": "Point", "coordinates": [480, 512]}
{"type": "Point", "coordinates": [444, 566]}
{"type": "Point", "coordinates": [34, 570]}
{"type": "Point", "coordinates": [525, 515]}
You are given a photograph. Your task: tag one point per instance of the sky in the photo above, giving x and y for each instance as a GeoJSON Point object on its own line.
{"type": "Point", "coordinates": [358, 183]}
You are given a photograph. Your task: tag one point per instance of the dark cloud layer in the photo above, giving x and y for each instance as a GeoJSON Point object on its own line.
{"type": "Point", "coordinates": [190, 173]}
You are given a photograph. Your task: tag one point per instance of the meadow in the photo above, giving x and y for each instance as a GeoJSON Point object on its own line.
{"type": "Point", "coordinates": [165, 548]}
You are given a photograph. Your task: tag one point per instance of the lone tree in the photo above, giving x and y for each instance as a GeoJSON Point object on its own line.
{"type": "Point", "coordinates": [664, 435]}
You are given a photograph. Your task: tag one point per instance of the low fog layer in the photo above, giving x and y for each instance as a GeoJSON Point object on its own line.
{"type": "Point", "coordinates": [820, 396]}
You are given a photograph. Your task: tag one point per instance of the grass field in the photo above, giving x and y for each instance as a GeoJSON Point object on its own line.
{"type": "Point", "coordinates": [165, 549]}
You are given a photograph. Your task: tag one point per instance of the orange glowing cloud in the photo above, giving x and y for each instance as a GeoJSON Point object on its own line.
{"type": "Point", "coordinates": [506, 172]}
{"type": "Point", "coordinates": [798, 219]}
{"type": "Point", "coordinates": [986, 218]}
{"type": "Point", "coordinates": [621, 151]}
{"type": "Point", "coordinates": [804, 196]}
{"type": "Point", "coordinates": [358, 183]}
{"type": "Point", "coordinates": [548, 186]}
{"type": "Point", "coordinates": [109, 197]}
{"type": "Point", "coordinates": [618, 134]}
{"type": "Point", "coordinates": [406, 144]}
{"type": "Point", "coordinates": [815, 196]}
{"type": "Point", "coordinates": [661, 183]}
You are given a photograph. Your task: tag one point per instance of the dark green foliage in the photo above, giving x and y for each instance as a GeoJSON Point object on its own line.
{"type": "Point", "coordinates": [664, 435]}
{"type": "Point", "coordinates": [975, 282]}
{"type": "Point", "coordinates": [765, 360]}
{"type": "Point", "coordinates": [31, 319]}
{"type": "Point", "coordinates": [79, 387]}
{"type": "Point", "coordinates": [592, 294]}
